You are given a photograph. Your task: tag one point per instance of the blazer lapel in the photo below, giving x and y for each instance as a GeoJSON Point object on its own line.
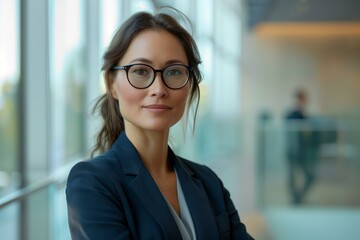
{"type": "Point", "coordinates": [197, 201]}
{"type": "Point", "coordinates": [148, 193]}
{"type": "Point", "coordinates": [145, 188]}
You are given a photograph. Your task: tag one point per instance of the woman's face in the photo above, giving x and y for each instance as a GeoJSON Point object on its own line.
{"type": "Point", "coordinates": [157, 107]}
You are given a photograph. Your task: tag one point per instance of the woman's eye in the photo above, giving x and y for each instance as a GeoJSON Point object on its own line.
{"type": "Point", "coordinates": [141, 72]}
{"type": "Point", "coordinates": [173, 72]}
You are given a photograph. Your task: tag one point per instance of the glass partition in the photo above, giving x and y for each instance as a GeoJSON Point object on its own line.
{"type": "Point", "coordinates": [9, 95]}
{"type": "Point", "coordinates": [67, 79]}
{"type": "Point", "coordinates": [313, 163]}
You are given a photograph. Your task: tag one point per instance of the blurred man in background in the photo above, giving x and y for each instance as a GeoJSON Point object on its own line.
{"type": "Point", "coordinates": [301, 148]}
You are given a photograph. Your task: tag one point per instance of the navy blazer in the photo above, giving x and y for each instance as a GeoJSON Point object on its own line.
{"type": "Point", "coordinates": [113, 196]}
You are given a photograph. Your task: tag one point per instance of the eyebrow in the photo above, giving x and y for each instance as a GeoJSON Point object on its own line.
{"type": "Point", "coordinates": [147, 61]}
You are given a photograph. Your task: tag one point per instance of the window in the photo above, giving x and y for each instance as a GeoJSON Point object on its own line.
{"type": "Point", "coordinates": [9, 111]}
{"type": "Point", "coordinates": [9, 94]}
{"type": "Point", "coordinates": [67, 79]}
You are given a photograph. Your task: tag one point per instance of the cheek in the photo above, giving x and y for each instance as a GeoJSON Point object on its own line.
{"type": "Point", "coordinates": [124, 96]}
{"type": "Point", "coordinates": [119, 86]}
{"type": "Point", "coordinates": [128, 97]}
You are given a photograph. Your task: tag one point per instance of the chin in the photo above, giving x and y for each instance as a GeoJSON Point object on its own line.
{"type": "Point", "coordinates": [160, 126]}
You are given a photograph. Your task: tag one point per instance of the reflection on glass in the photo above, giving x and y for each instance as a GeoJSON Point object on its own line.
{"type": "Point", "coordinates": [9, 78]}
{"type": "Point", "coordinates": [67, 75]}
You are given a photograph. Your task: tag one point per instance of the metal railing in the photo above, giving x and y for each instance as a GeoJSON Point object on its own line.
{"type": "Point", "coordinates": [41, 203]}
{"type": "Point", "coordinates": [56, 178]}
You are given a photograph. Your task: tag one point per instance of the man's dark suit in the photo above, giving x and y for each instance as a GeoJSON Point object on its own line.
{"type": "Point", "coordinates": [113, 196]}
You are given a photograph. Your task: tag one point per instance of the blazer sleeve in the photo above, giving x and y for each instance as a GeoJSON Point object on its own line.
{"type": "Point", "coordinates": [238, 229]}
{"type": "Point", "coordinates": [93, 210]}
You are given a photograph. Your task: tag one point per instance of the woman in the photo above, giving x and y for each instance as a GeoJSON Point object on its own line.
{"type": "Point", "coordinates": [137, 188]}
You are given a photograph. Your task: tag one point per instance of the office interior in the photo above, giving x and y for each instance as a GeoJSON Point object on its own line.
{"type": "Point", "coordinates": [255, 55]}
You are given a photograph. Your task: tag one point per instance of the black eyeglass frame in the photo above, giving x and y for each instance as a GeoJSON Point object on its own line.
{"type": "Point", "coordinates": [155, 71]}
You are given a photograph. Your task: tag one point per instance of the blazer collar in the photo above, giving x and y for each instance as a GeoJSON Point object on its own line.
{"type": "Point", "coordinates": [145, 188]}
{"type": "Point", "coordinates": [142, 185]}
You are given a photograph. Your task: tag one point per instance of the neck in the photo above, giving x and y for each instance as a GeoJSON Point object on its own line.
{"type": "Point", "coordinates": [152, 147]}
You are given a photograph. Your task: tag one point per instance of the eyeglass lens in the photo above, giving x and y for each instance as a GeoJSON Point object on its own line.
{"type": "Point", "coordinates": [142, 76]}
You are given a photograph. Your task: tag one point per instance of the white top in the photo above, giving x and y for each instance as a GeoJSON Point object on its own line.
{"type": "Point", "coordinates": [184, 222]}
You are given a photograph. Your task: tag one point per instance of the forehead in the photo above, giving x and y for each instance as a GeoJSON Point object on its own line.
{"type": "Point", "coordinates": [156, 46]}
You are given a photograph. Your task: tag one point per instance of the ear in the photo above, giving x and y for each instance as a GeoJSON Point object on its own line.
{"type": "Point", "coordinates": [113, 93]}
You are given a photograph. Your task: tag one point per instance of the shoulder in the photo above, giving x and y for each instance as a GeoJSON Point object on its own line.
{"type": "Point", "coordinates": [102, 162]}
{"type": "Point", "coordinates": [95, 171]}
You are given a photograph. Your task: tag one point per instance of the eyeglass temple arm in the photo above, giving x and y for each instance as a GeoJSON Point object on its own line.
{"type": "Point", "coordinates": [119, 68]}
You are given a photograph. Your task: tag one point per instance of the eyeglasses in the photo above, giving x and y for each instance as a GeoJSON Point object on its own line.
{"type": "Point", "coordinates": [141, 76]}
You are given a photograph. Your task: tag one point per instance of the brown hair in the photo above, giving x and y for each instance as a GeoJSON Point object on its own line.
{"type": "Point", "coordinates": [113, 122]}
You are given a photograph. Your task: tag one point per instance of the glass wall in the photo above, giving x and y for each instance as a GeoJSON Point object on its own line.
{"type": "Point", "coordinates": [68, 60]}
{"type": "Point", "coordinates": [111, 13]}
{"type": "Point", "coordinates": [308, 163]}
{"type": "Point", "coordinates": [9, 221]}
{"type": "Point", "coordinates": [9, 94]}
{"type": "Point", "coordinates": [110, 18]}
{"type": "Point", "coordinates": [9, 113]}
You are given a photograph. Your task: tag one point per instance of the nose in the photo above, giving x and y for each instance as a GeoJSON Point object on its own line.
{"type": "Point", "coordinates": [158, 87]}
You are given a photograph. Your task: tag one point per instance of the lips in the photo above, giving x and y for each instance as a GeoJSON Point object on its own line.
{"type": "Point", "coordinates": [157, 107]}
